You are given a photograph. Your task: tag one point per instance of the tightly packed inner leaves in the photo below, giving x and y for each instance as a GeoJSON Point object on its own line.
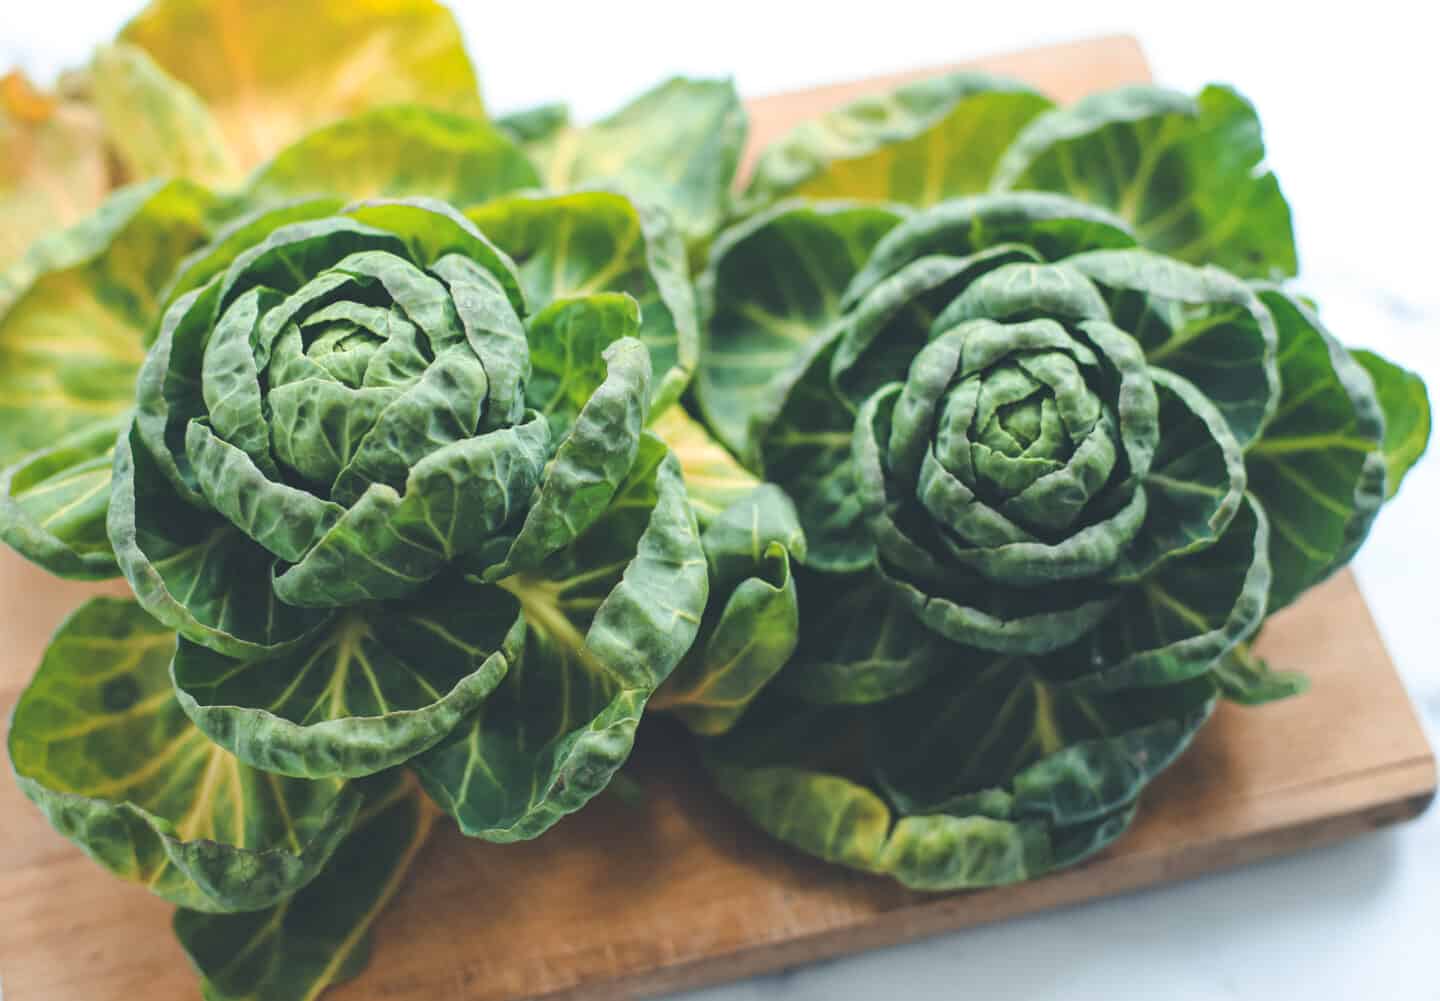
{"type": "Point", "coordinates": [938, 480]}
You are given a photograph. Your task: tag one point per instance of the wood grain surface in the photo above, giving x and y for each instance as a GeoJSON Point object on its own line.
{"type": "Point", "coordinates": [676, 891]}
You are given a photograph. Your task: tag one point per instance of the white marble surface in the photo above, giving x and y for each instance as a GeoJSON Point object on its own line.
{"type": "Point", "coordinates": [1351, 136]}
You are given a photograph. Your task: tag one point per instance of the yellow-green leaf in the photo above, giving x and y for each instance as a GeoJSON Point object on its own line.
{"type": "Point", "coordinates": [77, 312]}
{"type": "Point", "coordinates": [271, 70]}
{"type": "Point", "coordinates": [395, 152]}
{"type": "Point", "coordinates": [100, 744]}
{"type": "Point", "coordinates": [52, 164]}
{"type": "Point", "coordinates": [156, 125]}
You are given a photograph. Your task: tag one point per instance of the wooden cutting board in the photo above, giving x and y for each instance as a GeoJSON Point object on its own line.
{"type": "Point", "coordinates": [676, 891]}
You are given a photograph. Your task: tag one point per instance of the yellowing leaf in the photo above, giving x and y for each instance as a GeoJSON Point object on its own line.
{"type": "Point", "coordinates": [52, 164]}
{"type": "Point", "coordinates": [156, 125]}
{"type": "Point", "coordinates": [271, 70]}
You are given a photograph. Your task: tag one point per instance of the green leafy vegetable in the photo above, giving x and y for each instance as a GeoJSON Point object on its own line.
{"type": "Point", "coordinates": [1056, 452]}
{"type": "Point", "coordinates": [386, 498]}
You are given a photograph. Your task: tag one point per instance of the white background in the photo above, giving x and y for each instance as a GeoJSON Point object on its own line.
{"type": "Point", "coordinates": [1348, 100]}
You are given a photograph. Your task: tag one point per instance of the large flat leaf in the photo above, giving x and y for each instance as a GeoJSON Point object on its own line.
{"type": "Point", "coordinates": [1183, 617]}
{"type": "Point", "coordinates": [1188, 174]}
{"type": "Point", "coordinates": [922, 143]}
{"type": "Point", "coordinates": [1195, 482]}
{"type": "Point", "coordinates": [298, 948]}
{"type": "Point", "coordinates": [859, 643]}
{"type": "Point", "coordinates": [53, 168]}
{"type": "Point", "coordinates": [598, 241]}
{"type": "Point", "coordinates": [394, 152]}
{"type": "Point", "coordinates": [265, 92]}
{"type": "Point", "coordinates": [676, 146]}
{"type": "Point", "coordinates": [78, 311]}
{"type": "Point", "coordinates": [1201, 323]}
{"type": "Point", "coordinates": [100, 744]}
{"type": "Point", "coordinates": [157, 126]}
{"type": "Point", "coordinates": [607, 619]}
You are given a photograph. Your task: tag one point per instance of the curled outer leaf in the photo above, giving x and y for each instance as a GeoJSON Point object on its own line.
{"type": "Point", "coordinates": [973, 780]}
{"type": "Point", "coordinates": [100, 744]}
{"type": "Point", "coordinates": [920, 144]}
{"type": "Point", "coordinates": [751, 625]}
{"type": "Point", "coordinates": [1248, 680]}
{"type": "Point", "coordinates": [321, 936]}
{"type": "Point", "coordinates": [53, 503]}
{"type": "Point", "coordinates": [1320, 469]}
{"type": "Point", "coordinates": [757, 319]}
{"type": "Point", "coordinates": [750, 534]}
{"type": "Point", "coordinates": [1406, 408]}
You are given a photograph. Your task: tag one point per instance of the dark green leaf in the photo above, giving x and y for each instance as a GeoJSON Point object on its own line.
{"type": "Point", "coordinates": [378, 687]}
{"type": "Point", "coordinates": [100, 744]}
{"type": "Point", "coordinates": [1319, 469]}
{"type": "Point", "coordinates": [320, 937]}
{"type": "Point", "coordinates": [758, 314]}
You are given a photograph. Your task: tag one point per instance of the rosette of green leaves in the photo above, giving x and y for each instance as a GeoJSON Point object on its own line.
{"type": "Point", "coordinates": [387, 506]}
{"type": "Point", "coordinates": [79, 311]}
{"type": "Point", "coordinates": [510, 682]}
{"type": "Point", "coordinates": [1053, 464]}
{"type": "Point", "coordinates": [378, 510]}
